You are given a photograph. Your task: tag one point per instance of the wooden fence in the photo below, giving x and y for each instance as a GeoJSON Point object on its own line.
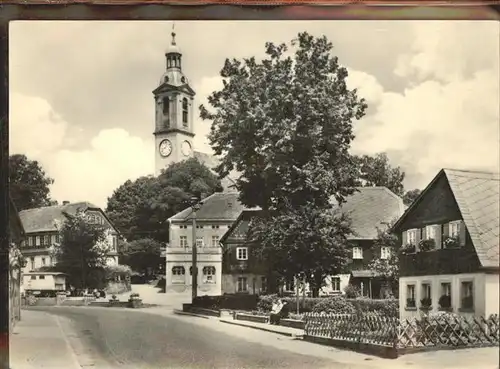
{"type": "Point", "coordinates": [447, 330]}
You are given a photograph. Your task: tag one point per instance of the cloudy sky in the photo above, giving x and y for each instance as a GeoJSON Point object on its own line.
{"type": "Point", "coordinates": [81, 101]}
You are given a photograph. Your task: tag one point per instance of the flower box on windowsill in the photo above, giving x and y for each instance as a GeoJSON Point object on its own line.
{"type": "Point", "coordinates": [451, 243]}
{"type": "Point", "coordinates": [427, 245]}
{"type": "Point", "coordinates": [426, 304]}
{"type": "Point", "coordinates": [445, 303]}
{"type": "Point", "coordinates": [408, 249]}
{"type": "Point", "coordinates": [410, 304]}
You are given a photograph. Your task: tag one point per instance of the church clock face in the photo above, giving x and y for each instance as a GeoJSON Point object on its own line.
{"type": "Point", "coordinates": [186, 148]}
{"type": "Point", "coordinates": [165, 148]}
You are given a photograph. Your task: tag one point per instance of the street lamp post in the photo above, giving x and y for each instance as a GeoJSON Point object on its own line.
{"type": "Point", "coordinates": [195, 206]}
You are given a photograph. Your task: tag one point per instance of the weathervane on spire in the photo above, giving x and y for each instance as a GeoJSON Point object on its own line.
{"type": "Point", "coordinates": [173, 33]}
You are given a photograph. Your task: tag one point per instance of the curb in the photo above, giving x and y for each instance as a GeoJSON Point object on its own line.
{"type": "Point", "coordinates": [180, 312]}
{"type": "Point", "coordinates": [293, 335]}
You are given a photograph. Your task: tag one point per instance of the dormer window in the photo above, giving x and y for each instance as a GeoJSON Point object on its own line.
{"type": "Point", "coordinates": [185, 112]}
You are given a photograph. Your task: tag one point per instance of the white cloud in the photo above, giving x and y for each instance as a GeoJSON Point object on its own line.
{"type": "Point", "coordinates": [86, 175]}
{"type": "Point", "coordinates": [447, 116]}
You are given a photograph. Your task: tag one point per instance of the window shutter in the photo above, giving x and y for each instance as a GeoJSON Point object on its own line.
{"type": "Point", "coordinates": [462, 233]}
{"type": "Point", "coordinates": [438, 235]}
{"type": "Point", "coordinates": [404, 238]}
{"type": "Point", "coordinates": [446, 230]}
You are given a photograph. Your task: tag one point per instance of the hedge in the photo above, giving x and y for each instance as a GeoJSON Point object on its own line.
{"type": "Point", "coordinates": [336, 305]}
{"type": "Point", "coordinates": [330, 305]}
{"type": "Point", "coordinates": [228, 301]}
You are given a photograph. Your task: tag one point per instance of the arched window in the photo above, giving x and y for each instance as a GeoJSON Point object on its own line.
{"type": "Point", "coordinates": [209, 274]}
{"type": "Point", "coordinates": [178, 270]}
{"type": "Point", "coordinates": [185, 112]}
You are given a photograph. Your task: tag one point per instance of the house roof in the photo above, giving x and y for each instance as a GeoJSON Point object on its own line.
{"type": "Point", "coordinates": [370, 208]}
{"type": "Point", "coordinates": [46, 219]}
{"type": "Point", "coordinates": [218, 206]}
{"type": "Point", "coordinates": [246, 214]}
{"type": "Point", "coordinates": [477, 196]}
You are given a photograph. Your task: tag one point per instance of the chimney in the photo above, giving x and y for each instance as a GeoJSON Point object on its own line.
{"type": "Point", "coordinates": [65, 202]}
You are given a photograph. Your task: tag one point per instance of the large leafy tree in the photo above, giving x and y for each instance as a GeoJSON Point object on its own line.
{"type": "Point", "coordinates": [28, 182]}
{"type": "Point", "coordinates": [82, 252]}
{"type": "Point", "coordinates": [143, 255]}
{"type": "Point", "coordinates": [307, 242]}
{"type": "Point", "coordinates": [411, 196]}
{"type": "Point", "coordinates": [140, 208]}
{"type": "Point", "coordinates": [377, 171]}
{"type": "Point", "coordinates": [285, 124]}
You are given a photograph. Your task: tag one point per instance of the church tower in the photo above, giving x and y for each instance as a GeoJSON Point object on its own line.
{"type": "Point", "coordinates": [174, 98]}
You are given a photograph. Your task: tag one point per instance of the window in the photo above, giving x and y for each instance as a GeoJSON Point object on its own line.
{"type": "Point", "coordinates": [454, 229]}
{"type": "Point", "coordinates": [178, 270]}
{"type": "Point", "coordinates": [357, 253]}
{"type": "Point", "coordinates": [115, 243]}
{"type": "Point", "coordinates": [263, 283]}
{"type": "Point", "coordinates": [242, 284]}
{"type": "Point", "coordinates": [215, 227]}
{"type": "Point", "coordinates": [412, 236]}
{"type": "Point", "coordinates": [199, 242]}
{"type": "Point", "coordinates": [166, 106]}
{"type": "Point", "coordinates": [43, 261]}
{"type": "Point", "coordinates": [242, 253]}
{"type": "Point", "coordinates": [466, 295]}
{"type": "Point", "coordinates": [32, 262]}
{"type": "Point", "coordinates": [33, 277]}
{"type": "Point", "coordinates": [215, 241]}
{"type": "Point", "coordinates": [290, 285]}
{"type": "Point", "coordinates": [42, 241]}
{"type": "Point", "coordinates": [31, 241]}
{"type": "Point", "coordinates": [430, 233]}
{"type": "Point", "coordinates": [385, 252]}
{"type": "Point", "coordinates": [445, 299]}
{"type": "Point", "coordinates": [410, 295]}
{"type": "Point", "coordinates": [426, 300]}
{"type": "Point", "coordinates": [41, 277]}
{"type": "Point", "coordinates": [37, 241]}
{"type": "Point", "coordinates": [208, 274]}
{"type": "Point", "coordinates": [47, 239]}
{"type": "Point", "coordinates": [183, 227]}
{"type": "Point", "coordinates": [58, 238]}
{"type": "Point", "coordinates": [199, 227]}
{"type": "Point", "coordinates": [183, 241]}
{"type": "Point", "coordinates": [335, 284]}
{"type": "Point", "coordinates": [185, 112]}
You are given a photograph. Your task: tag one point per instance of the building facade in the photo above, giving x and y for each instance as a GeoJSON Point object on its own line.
{"type": "Point", "coordinates": [450, 246]}
{"type": "Point", "coordinates": [370, 208]}
{"type": "Point", "coordinates": [42, 227]}
{"type": "Point", "coordinates": [216, 214]}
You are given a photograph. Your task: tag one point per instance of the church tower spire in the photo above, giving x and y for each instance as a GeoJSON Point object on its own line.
{"type": "Point", "coordinates": [174, 131]}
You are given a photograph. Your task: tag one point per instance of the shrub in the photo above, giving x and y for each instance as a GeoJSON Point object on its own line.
{"type": "Point", "coordinates": [266, 302]}
{"type": "Point", "coordinates": [228, 301]}
{"type": "Point", "coordinates": [385, 307]}
{"type": "Point", "coordinates": [334, 305]}
{"type": "Point", "coordinates": [351, 291]}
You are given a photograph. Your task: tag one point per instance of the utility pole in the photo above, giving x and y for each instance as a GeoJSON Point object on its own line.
{"type": "Point", "coordinates": [195, 206]}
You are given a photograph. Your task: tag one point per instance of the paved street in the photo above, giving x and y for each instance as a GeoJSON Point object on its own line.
{"type": "Point", "coordinates": [109, 338]}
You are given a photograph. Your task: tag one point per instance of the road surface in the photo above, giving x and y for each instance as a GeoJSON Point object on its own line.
{"type": "Point", "coordinates": [105, 338]}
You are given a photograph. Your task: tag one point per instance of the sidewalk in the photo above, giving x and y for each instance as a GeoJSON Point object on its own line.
{"type": "Point", "coordinates": [39, 342]}
{"type": "Point", "coordinates": [284, 331]}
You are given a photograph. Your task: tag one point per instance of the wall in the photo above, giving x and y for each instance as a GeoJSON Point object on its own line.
{"type": "Point", "coordinates": [206, 232]}
{"type": "Point", "coordinates": [38, 284]}
{"type": "Point", "coordinates": [183, 283]}
{"type": "Point", "coordinates": [230, 283]}
{"type": "Point", "coordinates": [437, 206]}
{"type": "Point", "coordinates": [491, 291]}
{"type": "Point", "coordinates": [479, 291]}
